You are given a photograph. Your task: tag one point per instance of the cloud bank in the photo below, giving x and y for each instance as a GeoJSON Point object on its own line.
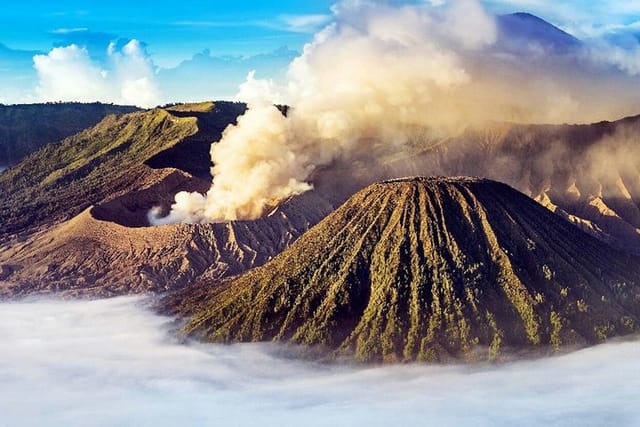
{"type": "Point", "coordinates": [111, 363]}
{"type": "Point", "coordinates": [70, 74]}
{"type": "Point", "coordinates": [382, 76]}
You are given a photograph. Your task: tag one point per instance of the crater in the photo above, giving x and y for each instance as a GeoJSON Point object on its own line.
{"type": "Point", "coordinates": [131, 209]}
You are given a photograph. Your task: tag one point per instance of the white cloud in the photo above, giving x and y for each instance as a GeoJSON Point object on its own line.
{"type": "Point", "coordinates": [70, 30]}
{"type": "Point", "coordinates": [111, 363]}
{"type": "Point", "coordinates": [135, 72]}
{"type": "Point", "coordinates": [69, 74]}
{"type": "Point", "coordinates": [258, 91]}
{"type": "Point", "coordinates": [625, 59]}
{"type": "Point", "coordinates": [305, 23]}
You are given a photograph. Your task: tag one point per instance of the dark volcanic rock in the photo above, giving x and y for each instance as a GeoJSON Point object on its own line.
{"type": "Point", "coordinates": [428, 269]}
{"type": "Point", "coordinates": [5, 271]}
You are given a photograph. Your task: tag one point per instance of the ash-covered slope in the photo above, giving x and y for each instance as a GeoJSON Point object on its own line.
{"type": "Point", "coordinates": [74, 220]}
{"type": "Point", "coordinates": [93, 255]}
{"type": "Point", "coordinates": [428, 269]}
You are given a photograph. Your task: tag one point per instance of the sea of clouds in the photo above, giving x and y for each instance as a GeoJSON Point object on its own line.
{"type": "Point", "coordinates": [115, 363]}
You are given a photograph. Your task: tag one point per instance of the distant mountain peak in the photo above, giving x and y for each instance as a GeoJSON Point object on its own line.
{"type": "Point", "coordinates": [523, 27]}
{"type": "Point", "coordinates": [527, 15]}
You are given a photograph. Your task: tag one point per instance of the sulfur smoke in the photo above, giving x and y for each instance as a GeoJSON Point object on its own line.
{"type": "Point", "coordinates": [375, 79]}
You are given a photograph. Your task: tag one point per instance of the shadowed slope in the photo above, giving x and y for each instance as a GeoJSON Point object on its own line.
{"type": "Point", "coordinates": [427, 269]}
{"type": "Point", "coordinates": [26, 128]}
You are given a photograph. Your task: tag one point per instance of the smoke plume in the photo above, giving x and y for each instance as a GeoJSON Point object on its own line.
{"type": "Point", "coordinates": [381, 76]}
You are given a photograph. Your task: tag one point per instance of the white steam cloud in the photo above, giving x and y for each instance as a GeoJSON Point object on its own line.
{"type": "Point", "coordinates": [112, 363]}
{"type": "Point", "coordinates": [69, 74]}
{"type": "Point", "coordinates": [375, 79]}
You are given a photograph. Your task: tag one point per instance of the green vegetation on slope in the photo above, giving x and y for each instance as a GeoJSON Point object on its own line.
{"type": "Point", "coordinates": [60, 180]}
{"type": "Point", "coordinates": [26, 128]}
{"type": "Point", "coordinates": [428, 269]}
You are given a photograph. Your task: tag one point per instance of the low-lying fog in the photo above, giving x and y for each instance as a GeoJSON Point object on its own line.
{"type": "Point", "coordinates": [112, 362]}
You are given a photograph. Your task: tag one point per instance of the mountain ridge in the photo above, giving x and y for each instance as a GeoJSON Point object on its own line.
{"type": "Point", "coordinates": [24, 128]}
{"type": "Point", "coordinates": [114, 173]}
{"type": "Point", "coordinates": [100, 163]}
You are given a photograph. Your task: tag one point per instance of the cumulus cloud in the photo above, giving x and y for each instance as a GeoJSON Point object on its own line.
{"type": "Point", "coordinates": [69, 74]}
{"type": "Point", "coordinates": [257, 91]}
{"type": "Point", "coordinates": [111, 362]}
{"type": "Point", "coordinates": [380, 76]}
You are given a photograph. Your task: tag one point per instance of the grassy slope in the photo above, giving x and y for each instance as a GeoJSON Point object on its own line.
{"type": "Point", "coordinates": [60, 180]}
{"type": "Point", "coordinates": [26, 128]}
{"type": "Point", "coordinates": [427, 270]}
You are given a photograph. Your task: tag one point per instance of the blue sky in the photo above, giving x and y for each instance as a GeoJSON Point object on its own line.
{"type": "Point", "coordinates": [202, 33]}
{"type": "Point", "coordinates": [173, 30]}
